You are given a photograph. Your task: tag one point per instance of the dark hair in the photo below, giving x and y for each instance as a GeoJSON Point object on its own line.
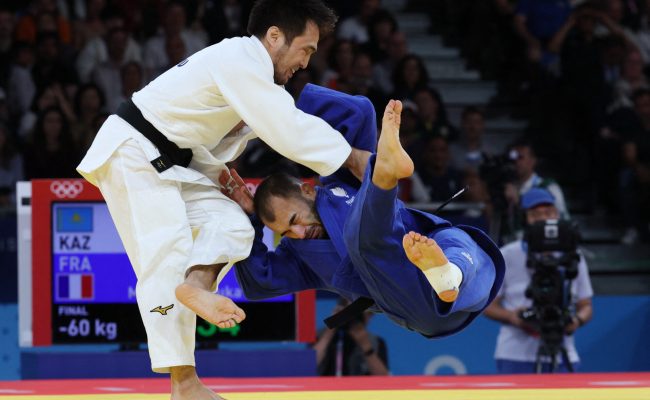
{"type": "Point", "coordinates": [398, 72]}
{"type": "Point", "coordinates": [637, 94]}
{"type": "Point", "coordinates": [523, 142]}
{"type": "Point", "coordinates": [82, 90]}
{"type": "Point", "coordinates": [471, 110]}
{"type": "Point", "coordinates": [277, 185]}
{"type": "Point", "coordinates": [290, 16]}
{"type": "Point", "coordinates": [435, 94]}
{"type": "Point", "coordinates": [65, 137]}
{"type": "Point", "coordinates": [377, 18]}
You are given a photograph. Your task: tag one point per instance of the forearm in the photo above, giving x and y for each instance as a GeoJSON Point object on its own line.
{"type": "Point", "coordinates": [321, 345]}
{"type": "Point", "coordinates": [357, 162]}
{"type": "Point", "coordinates": [496, 312]}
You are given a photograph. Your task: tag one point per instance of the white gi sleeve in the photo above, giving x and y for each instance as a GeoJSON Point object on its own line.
{"type": "Point", "coordinates": [272, 114]}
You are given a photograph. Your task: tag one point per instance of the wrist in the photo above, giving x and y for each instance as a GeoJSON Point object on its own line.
{"type": "Point", "coordinates": [579, 320]}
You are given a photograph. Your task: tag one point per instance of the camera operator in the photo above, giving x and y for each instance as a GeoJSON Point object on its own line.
{"type": "Point", "coordinates": [351, 349]}
{"type": "Point", "coordinates": [519, 341]}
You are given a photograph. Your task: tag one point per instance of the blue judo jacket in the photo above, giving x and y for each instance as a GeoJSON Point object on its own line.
{"type": "Point", "coordinates": [297, 265]}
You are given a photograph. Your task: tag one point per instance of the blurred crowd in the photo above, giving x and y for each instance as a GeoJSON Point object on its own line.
{"type": "Point", "coordinates": [577, 72]}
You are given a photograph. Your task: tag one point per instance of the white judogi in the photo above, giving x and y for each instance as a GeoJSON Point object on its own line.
{"type": "Point", "coordinates": [176, 219]}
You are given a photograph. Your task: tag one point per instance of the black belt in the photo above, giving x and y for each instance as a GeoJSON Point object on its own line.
{"type": "Point", "coordinates": [349, 313]}
{"type": "Point", "coordinates": [170, 153]}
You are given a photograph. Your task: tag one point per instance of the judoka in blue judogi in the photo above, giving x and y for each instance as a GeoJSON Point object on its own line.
{"type": "Point", "coordinates": [347, 237]}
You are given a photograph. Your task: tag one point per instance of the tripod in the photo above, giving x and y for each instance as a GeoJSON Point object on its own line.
{"type": "Point", "coordinates": [551, 349]}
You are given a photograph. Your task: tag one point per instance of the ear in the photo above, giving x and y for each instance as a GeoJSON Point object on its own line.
{"type": "Point", "coordinates": [308, 190]}
{"type": "Point", "coordinates": [274, 37]}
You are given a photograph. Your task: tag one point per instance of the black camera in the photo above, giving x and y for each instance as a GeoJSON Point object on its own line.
{"type": "Point", "coordinates": [496, 172]}
{"type": "Point", "coordinates": [553, 257]}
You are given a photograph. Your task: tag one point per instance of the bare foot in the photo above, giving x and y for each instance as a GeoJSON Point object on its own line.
{"type": "Point", "coordinates": [424, 252]}
{"type": "Point", "coordinates": [187, 386]}
{"type": "Point", "coordinates": [212, 307]}
{"type": "Point", "coordinates": [393, 163]}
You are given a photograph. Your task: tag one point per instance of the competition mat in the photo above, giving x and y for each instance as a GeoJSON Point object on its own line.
{"type": "Point", "coordinates": [614, 386]}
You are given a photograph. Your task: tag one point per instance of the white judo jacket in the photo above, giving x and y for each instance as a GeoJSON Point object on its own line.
{"type": "Point", "coordinates": [196, 103]}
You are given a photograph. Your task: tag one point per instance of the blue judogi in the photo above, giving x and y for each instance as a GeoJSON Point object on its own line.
{"type": "Point", "coordinates": [364, 255]}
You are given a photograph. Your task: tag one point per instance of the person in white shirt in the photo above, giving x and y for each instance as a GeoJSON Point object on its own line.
{"type": "Point", "coordinates": [158, 160]}
{"type": "Point", "coordinates": [518, 341]}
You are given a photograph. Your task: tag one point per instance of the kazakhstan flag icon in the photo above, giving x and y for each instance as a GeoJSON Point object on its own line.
{"type": "Point", "coordinates": [74, 219]}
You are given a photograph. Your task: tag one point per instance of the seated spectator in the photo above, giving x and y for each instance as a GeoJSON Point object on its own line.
{"type": "Point", "coordinates": [225, 19]}
{"type": "Point", "coordinates": [634, 177]}
{"type": "Point", "coordinates": [107, 75]}
{"type": "Point", "coordinates": [433, 115]}
{"type": "Point", "coordinates": [40, 12]}
{"type": "Point", "coordinates": [382, 25]}
{"type": "Point", "coordinates": [355, 28]}
{"type": "Point", "coordinates": [52, 95]}
{"type": "Point", "coordinates": [21, 88]}
{"type": "Point", "coordinates": [95, 51]}
{"type": "Point", "coordinates": [339, 70]}
{"type": "Point", "coordinates": [351, 350]}
{"type": "Point", "coordinates": [383, 71]}
{"type": "Point", "coordinates": [471, 149]}
{"type": "Point", "coordinates": [88, 103]}
{"type": "Point", "coordinates": [527, 178]}
{"type": "Point", "coordinates": [131, 80]}
{"type": "Point", "coordinates": [361, 82]}
{"type": "Point", "coordinates": [7, 22]}
{"type": "Point", "coordinates": [52, 63]}
{"type": "Point", "coordinates": [11, 168]}
{"type": "Point", "coordinates": [174, 23]}
{"type": "Point", "coordinates": [52, 153]}
{"type": "Point", "coordinates": [438, 176]}
{"type": "Point", "coordinates": [537, 21]}
{"type": "Point", "coordinates": [89, 23]}
{"type": "Point", "coordinates": [631, 79]}
{"type": "Point", "coordinates": [176, 52]}
{"type": "Point", "coordinates": [409, 75]}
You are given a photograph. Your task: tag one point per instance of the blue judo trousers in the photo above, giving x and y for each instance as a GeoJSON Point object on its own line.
{"type": "Point", "coordinates": [363, 255]}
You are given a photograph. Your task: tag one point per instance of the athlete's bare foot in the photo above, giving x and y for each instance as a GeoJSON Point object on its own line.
{"type": "Point", "coordinates": [424, 252]}
{"type": "Point", "coordinates": [187, 386]}
{"type": "Point", "coordinates": [212, 307]}
{"type": "Point", "coordinates": [393, 163]}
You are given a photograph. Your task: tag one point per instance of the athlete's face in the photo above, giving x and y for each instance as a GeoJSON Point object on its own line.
{"type": "Point", "coordinates": [296, 217]}
{"type": "Point", "coordinates": [289, 58]}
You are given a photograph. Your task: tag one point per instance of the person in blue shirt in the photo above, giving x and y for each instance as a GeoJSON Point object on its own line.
{"type": "Point", "coordinates": [359, 240]}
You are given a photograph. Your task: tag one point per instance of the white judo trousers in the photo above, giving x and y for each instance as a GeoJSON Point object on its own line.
{"type": "Point", "coordinates": [176, 219]}
{"type": "Point", "coordinates": [167, 227]}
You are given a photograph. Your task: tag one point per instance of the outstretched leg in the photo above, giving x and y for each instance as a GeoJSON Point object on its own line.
{"type": "Point", "coordinates": [424, 252]}
{"type": "Point", "coordinates": [393, 163]}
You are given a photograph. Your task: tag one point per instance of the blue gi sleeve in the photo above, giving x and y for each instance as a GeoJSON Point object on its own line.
{"type": "Point", "coordinates": [275, 273]}
{"type": "Point", "coordinates": [353, 116]}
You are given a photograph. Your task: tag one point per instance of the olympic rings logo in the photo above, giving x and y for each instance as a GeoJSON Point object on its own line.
{"type": "Point", "coordinates": [69, 189]}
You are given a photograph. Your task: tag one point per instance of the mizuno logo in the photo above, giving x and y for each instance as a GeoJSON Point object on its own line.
{"type": "Point", "coordinates": [162, 310]}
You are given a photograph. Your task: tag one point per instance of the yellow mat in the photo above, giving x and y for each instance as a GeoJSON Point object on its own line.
{"type": "Point", "coordinates": [482, 394]}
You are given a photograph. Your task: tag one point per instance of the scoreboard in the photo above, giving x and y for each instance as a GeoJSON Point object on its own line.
{"type": "Point", "coordinates": [84, 288]}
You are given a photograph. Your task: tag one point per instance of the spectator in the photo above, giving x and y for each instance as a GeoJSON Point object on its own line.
{"type": "Point", "coordinates": [107, 75]}
{"type": "Point", "coordinates": [339, 71]}
{"type": "Point", "coordinates": [11, 168]}
{"type": "Point", "coordinates": [518, 340]}
{"type": "Point", "coordinates": [52, 95]}
{"type": "Point", "coordinates": [409, 75]}
{"type": "Point", "coordinates": [20, 86]}
{"type": "Point", "coordinates": [226, 18]}
{"type": "Point", "coordinates": [52, 153]}
{"type": "Point", "coordinates": [536, 21]}
{"type": "Point", "coordinates": [631, 79]}
{"type": "Point", "coordinates": [88, 103]}
{"type": "Point", "coordinates": [174, 23]}
{"type": "Point", "coordinates": [635, 174]}
{"type": "Point", "coordinates": [383, 71]}
{"type": "Point", "coordinates": [471, 150]}
{"type": "Point", "coordinates": [351, 349]}
{"type": "Point", "coordinates": [176, 52]}
{"type": "Point", "coordinates": [433, 115]}
{"type": "Point", "coordinates": [355, 28]}
{"type": "Point", "coordinates": [42, 13]}
{"type": "Point", "coordinates": [361, 82]}
{"type": "Point", "coordinates": [90, 24]}
{"type": "Point", "coordinates": [131, 80]}
{"type": "Point", "coordinates": [301, 78]}
{"type": "Point", "coordinates": [382, 25]}
{"type": "Point", "coordinates": [440, 179]}
{"type": "Point", "coordinates": [6, 45]}
{"type": "Point", "coordinates": [52, 63]}
{"type": "Point", "coordinates": [95, 51]}
{"type": "Point", "coordinates": [527, 178]}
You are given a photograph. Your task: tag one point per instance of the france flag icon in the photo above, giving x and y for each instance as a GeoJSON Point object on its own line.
{"type": "Point", "coordinates": [75, 287]}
